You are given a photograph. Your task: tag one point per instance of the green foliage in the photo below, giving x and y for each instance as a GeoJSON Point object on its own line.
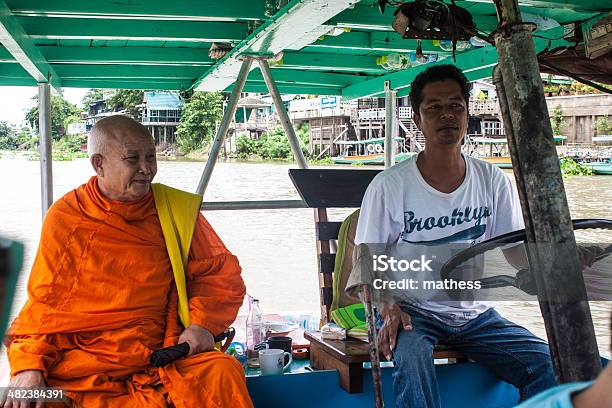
{"type": "Point", "coordinates": [571, 168]}
{"type": "Point", "coordinates": [323, 161]}
{"type": "Point", "coordinates": [92, 96]}
{"type": "Point", "coordinates": [62, 112]}
{"type": "Point", "coordinates": [556, 121]}
{"type": "Point", "coordinates": [603, 124]}
{"type": "Point", "coordinates": [69, 148]}
{"type": "Point", "coordinates": [273, 145]}
{"type": "Point", "coordinates": [11, 140]}
{"type": "Point", "coordinates": [7, 137]}
{"type": "Point", "coordinates": [245, 147]}
{"type": "Point", "coordinates": [199, 119]}
{"type": "Point", "coordinates": [128, 99]}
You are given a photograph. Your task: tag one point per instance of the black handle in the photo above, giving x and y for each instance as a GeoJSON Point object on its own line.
{"type": "Point", "coordinates": [166, 355]}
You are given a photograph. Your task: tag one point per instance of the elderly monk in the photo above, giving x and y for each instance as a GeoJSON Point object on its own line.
{"type": "Point", "coordinates": [103, 294]}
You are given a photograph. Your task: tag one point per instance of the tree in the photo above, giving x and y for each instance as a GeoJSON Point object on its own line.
{"type": "Point", "coordinates": [556, 121]}
{"type": "Point", "coordinates": [11, 140]}
{"type": "Point", "coordinates": [7, 137]}
{"type": "Point", "coordinates": [200, 115]}
{"type": "Point", "coordinates": [62, 114]}
{"type": "Point", "coordinates": [92, 96]}
{"type": "Point", "coordinates": [603, 124]}
{"type": "Point", "coordinates": [128, 99]}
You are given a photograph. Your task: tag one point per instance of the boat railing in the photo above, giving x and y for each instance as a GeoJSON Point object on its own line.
{"type": "Point", "coordinates": [252, 205]}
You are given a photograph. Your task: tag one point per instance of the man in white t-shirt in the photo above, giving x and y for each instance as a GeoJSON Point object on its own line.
{"type": "Point", "coordinates": [442, 196]}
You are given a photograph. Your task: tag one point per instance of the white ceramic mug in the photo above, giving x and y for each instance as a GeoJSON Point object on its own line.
{"type": "Point", "coordinates": [271, 361]}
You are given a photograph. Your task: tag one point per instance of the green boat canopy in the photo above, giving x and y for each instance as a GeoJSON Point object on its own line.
{"type": "Point", "coordinates": [329, 47]}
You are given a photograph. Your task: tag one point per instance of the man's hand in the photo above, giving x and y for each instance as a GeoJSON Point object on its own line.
{"type": "Point", "coordinates": [198, 338]}
{"type": "Point", "coordinates": [24, 379]}
{"type": "Point", "coordinates": [395, 319]}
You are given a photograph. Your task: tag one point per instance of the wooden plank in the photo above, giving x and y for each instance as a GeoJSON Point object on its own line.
{"type": "Point", "coordinates": [185, 10]}
{"type": "Point", "coordinates": [354, 351]}
{"type": "Point", "coordinates": [325, 279]}
{"type": "Point", "coordinates": [350, 374]}
{"type": "Point", "coordinates": [326, 296]}
{"type": "Point", "coordinates": [326, 263]}
{"type": "Point", "coordinates": [15, 39]}
{"type": "Point", "coordinates": [327, 230]}
{"type": "Point", "coordinates": [332, 188]}
{"type": "Point", "coordinates": [294, 26]}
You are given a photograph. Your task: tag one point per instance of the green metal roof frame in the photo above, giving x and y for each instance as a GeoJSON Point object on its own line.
{"type": "Point", "coordinates": [329, 46]}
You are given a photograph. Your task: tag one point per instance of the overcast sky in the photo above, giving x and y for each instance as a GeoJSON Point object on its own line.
{"type": "Point", "coordinates": [15, 101]}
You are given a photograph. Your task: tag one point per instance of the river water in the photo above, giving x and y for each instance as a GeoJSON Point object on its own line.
{"type": "Point", "coordinates": [276, 248]}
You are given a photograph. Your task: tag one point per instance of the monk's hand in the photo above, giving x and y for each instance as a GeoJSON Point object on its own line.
{"type": "Point", "coordinates": [24, 379]}
{"type": "Point", "coordinates": [394, 320]}
{"type": "Point", "coordinates": [198, 338]}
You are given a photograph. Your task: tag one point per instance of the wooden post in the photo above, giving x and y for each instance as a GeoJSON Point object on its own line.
{"type": "Point", "coordinates": [45, 146]}
{"type": "Point", "coordinates": [366, 298]}
{"type": "Point", "coordinates": [557, 271]}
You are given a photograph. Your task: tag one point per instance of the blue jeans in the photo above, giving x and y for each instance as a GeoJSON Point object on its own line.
{"type": "Point", "coordinates": [510, 351]}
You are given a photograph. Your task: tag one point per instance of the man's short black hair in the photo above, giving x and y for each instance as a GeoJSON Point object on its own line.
{"type": "Point", "coordinates": [435, 74]}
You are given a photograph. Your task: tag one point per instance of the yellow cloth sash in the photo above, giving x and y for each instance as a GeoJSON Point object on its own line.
{"type": "Point", "coordinates": [178, 212]}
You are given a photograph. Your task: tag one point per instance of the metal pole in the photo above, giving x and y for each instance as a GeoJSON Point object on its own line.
{"type": "Point", "coordinates": [557, 271]}
{"type": "Point", "coordinates": [252, 205]}
{"type": "Point", "coordinates": [282, 113]}
{"type": "Point", "coordinates": [389, 125]}
{"type": "Point", "coordinates": [228, 115]}
{"type": "Point", "coordinates": [46, 163]}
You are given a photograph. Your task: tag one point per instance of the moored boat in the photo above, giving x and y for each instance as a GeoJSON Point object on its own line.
{"type": "Point", "coordinates": [368, 152]}
{"type": "Point", "coordinates": [600, 167]}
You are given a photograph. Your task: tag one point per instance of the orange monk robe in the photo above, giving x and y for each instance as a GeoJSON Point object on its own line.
{"type": "Point", "coordinates": [101, 299]}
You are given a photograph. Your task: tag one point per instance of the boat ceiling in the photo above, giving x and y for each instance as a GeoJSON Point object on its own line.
{"type": "Point", "coordinates": [329, 47]}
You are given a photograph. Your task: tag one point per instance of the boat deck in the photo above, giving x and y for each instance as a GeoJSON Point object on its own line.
{"type": "Point", "coordinates": [461, 385]}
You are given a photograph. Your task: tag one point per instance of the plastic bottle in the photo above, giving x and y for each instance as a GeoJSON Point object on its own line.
{"type": "Point", "coordinates": [447, 45]}
{"type": "Point", "coordinates": [393, 62]}
{"type": "Point", "coordinates": [398, 61]}
{"type": "Point", "coordinates": [255, 329]}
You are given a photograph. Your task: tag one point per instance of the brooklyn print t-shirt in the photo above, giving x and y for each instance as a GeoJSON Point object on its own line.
{"type": "Point", "coordinates": [400, 207]}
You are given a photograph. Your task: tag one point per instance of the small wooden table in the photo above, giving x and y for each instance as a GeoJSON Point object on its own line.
{"type": "Point", "coordinates": [348, 356]}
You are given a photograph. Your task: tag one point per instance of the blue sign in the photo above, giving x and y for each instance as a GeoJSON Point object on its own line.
{"type": "Point", "coordinates": [329, 102]}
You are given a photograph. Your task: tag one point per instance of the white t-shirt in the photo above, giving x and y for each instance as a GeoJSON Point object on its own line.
{"type": "Point", "coordinates": [399, 206]}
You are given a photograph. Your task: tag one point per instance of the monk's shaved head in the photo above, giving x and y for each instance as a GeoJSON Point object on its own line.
{"type": "Point", "coordinates": [109, 130]}
{"type": "Point", "coordinates": [122, 152]}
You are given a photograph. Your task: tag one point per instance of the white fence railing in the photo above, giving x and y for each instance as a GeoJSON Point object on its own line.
{"type": "Point", "coordinates": [487, 106]}
{"type": "Point", "coordinates": [403, 112]}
